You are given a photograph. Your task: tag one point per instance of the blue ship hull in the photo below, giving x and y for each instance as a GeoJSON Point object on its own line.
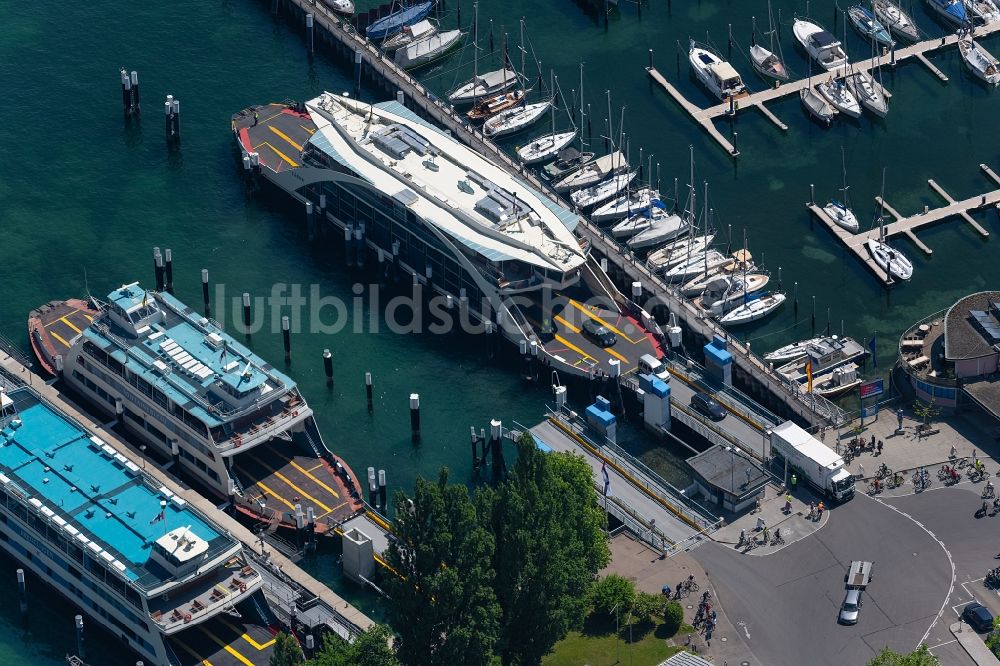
{"type": "Point", "coordinates": [388, 26]}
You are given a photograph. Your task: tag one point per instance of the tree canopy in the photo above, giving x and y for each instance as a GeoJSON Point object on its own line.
{"type": "Point", "coordinates": [371, 648]}
{"type": "Point", "coordinates": [920, 657]}
{"type": "Point", "coordinates": [286, 651]}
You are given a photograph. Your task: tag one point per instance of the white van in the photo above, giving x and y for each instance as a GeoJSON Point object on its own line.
{"type": "Point", "coordinates": [650, 365]}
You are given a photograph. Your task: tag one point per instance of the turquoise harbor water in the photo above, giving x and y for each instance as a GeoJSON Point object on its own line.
{"type": "Point", "coordinates": [85, 196]}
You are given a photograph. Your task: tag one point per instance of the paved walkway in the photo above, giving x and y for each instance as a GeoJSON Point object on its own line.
{"type": "Point", "coordinates": [973, 644]}
{"type": "Point", "coordinates": [794, 525]}
{"type": "Point", "coordinates": [639, 563]}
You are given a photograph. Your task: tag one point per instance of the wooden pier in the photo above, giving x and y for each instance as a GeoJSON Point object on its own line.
{"type": "Point", "coordinates": [907, 226]}
{"type": "Point", "coordinates": [705, 117]}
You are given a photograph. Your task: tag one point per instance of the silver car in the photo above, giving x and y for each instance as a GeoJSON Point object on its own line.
{"type": "Point", "coordinates": [850, 608]}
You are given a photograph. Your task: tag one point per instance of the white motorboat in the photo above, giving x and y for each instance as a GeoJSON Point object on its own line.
{"type": "Point", "coordinates": [695, 265]}
{"type": "Point", "coordinates": [952, 12]}
{"type": "Point", "coordinates": [894, 18]}
{"type": "Point", "coordinates": [677, 252]}
{"type": "Point", "coordinates": [342, 7]}
{"type": "Point", "coordinates": [409, 34]}
{"type": "Point", "coordinates": [890, 260]}
{"type": "Point", "coordinates": [791, 352]}
{"type": "Point", "coordinates": [602, 191]}
{"type": "Point", "coordinates": [567, 161]}
{"type": "Point", "coordinates": [822, 356]}
{"type": "Point", "coordinates": [483, 85]}
{"type": "Point", "coordinates": [839, 96]}
{"type": "Point", "coordinates": [868, 93]}
{"type": "Point", "coordinates": [821, 46]}
{"type": "Point", "coordinates": [516, 119]}
{"type": "Point", "coordinates": [842, 215]}
{"type": "Point", "coordinates": [982, 11]}
{"type": "Point", "coordinates": [980, 62]}
{"type": "Point", "coordinates": [545, 147]}
{"type": "Point", "coordinates": [715, 73]}
{"type": "Point", "coordinates": [428, 49]}
{"type": "Point", "coordinates": [756, 307]}
{"type": "Point", "coordinates": [725, 291]}
{"type": "Point", "coordinates": [663, 227]}
{"type": "Point", "coordinates": [817, 106]}
{"type": "Point", "coordinates": [767, 63]}
{"type": "Point", "coordinates": [837, 382]}
{"type": "Point", "coordinates": [593, 173]}
{"type": "Point", "coordinates": [626, 205]}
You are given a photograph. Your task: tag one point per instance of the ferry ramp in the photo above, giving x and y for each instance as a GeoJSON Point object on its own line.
{"type": "Point", "coordinates": [277, 132]}
{"type": "Point", "coordinates": [225, 640]}
{"type": "Point", "coordinates": [281, 477]}
{"type": "Point", "coordinates": [647, 505]}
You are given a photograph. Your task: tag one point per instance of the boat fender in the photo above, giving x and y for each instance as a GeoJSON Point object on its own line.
{"type": "Point", "coordinates": [187, 617]}
{"type": "Point", "coordinates": [295, 413]}
{"type": "Point", "coordinates": [243, 587]}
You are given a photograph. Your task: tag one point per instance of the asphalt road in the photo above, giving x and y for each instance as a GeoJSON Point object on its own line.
{"type": "Point", "coordinates": [950, 514]}
{"type": "Point", "coordinates": [733, 424]}
{"type": "Point", "coordinates": [786, 603]}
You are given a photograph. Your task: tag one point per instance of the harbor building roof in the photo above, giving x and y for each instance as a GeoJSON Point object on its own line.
{"type": "Point", "coordinates": [185, 356]}
{"type": "Point", "coordinates": [972, 326]}
{"type": "Point", "coordinates": [461, 193]}
{"type": "Point", "coordinates": [99, 500]}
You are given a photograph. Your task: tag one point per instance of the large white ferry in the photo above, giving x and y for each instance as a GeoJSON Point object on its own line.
{"type": "Point", "coordinates": [133, 556]}
{"type": "Point", "coordinates": [226, 418]}
{"type": "Point", "coordinates": [435, 209]}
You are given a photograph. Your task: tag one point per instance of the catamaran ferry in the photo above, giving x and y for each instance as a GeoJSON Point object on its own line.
{"type": "Point", "coordinates": [90, 523]}
{"type": "Point", "coordinates": [457, 222]}
{"type": "Point", "coordinates": [226, 418]}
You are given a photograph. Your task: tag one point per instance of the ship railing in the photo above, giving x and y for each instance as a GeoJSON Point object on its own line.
{"type": "Point", "coordinates": [238, 582]}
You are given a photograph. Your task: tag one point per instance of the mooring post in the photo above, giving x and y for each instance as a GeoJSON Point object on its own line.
{"type": "Point", "coordinates": [328, 367]}
{"type": "Point", "coordinates": [204, 292]}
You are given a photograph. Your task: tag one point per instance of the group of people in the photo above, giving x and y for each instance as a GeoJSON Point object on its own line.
{"type": "Point", "coordinates": [705, 615]}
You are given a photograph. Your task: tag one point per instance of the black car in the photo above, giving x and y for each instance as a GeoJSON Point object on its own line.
{"type": "Point", "coordinates": [978, 616]}
{"type": "Point", "coordinates": [599, 334]}
{"type": "Point", "coordinates": [708, 406]}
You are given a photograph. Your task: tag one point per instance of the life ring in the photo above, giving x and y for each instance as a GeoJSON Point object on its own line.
{"type": "Point", "coordinates": [243, 586]}
{"type": "Point", "coordinates": [187, 617]}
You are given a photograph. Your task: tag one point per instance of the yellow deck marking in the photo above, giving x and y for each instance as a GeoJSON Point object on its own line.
{"type": "Point", "coordinates": [270, 118]}
{"type": "Point", "coordinates": [248, 639]}
{"type": "Point", "coordinates": [268, 491]}
{"type": "Point", "coordinates": [313, 477]}
{"type": "Point", "coordinates": [70, 324]}
{"type": "Point", "coordinates": [291, 485]}
{"type": "Point", "coordinates": [68, 314]}
{"type": "Point", "coordinates": [228, 648]}
{"type": "Point", "coordinates": [616, 355]}
{"type": "Point", "coordinates": [277, 152]}
{"type": "Point", "coordinates": [604, 323]}
{"type": "Point", "coordinates": [565, 323]}
{"type": "Point", "coordinates": [311, 131]}
{"type": "Point", "coordinates": [570, 345]}
{"type": "Point", "coordinates": [317, 466]}
{"type": "Point", "coordinates": [89, 318]}
{"type": "Point", "coordinates": [184, 646]}
{"type": "Point", "coordinates": [285, 137]}
{"type": "Point", "coordinates": [59, 338]}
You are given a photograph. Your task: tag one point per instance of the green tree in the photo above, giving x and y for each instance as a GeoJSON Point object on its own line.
{"type": "Point", "coordinates": [647, 604]}
{"type": "Point", "coordinates": [443, 604]}
{"type": "Point", "coordinates": [926, 411]}
{"type": "Point", "coordinates": [993, 640]}
{"type": "Point", "coordinates": [371, 648]}
{"type": "Point", "coordinates": [550, 544]}
{"type": "Point", "coordinates": [610, 593]}
{"type": "Point", "coordinates": [919, 657]}
{"type": "Point", "coordinates": [673, 617]}
{"type": "Point", "coordinates": [286, 651]}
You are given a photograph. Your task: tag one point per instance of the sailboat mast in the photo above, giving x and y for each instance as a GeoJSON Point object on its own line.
{"type": "Point", "coordinates": [553, 80]}
{"type": "Point", "coordinates": [522, 50]}
{"type": "Point", "coordinates": [583, 145]}
{"type": "Point", "coordinates": [475, 49]}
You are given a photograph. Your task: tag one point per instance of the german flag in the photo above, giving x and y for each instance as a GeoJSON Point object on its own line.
{"type": "Point", "coordinates": [809, 377]}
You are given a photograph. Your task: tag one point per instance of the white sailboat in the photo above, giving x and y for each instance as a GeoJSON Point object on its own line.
{"type": "Point", "coordinates": [740, 262]}
{"type": "Point", "coordinates": [840, 211]}
{"type": "Point", "coordinates": [892, 262]}
{"type": "Point", "coordinates": [685, 270]}
{"type": "Point", "coordinates": [894, 18]}
{"type": "Point", "coordinates": [756, 307]}
{"type": "Point", "coordinates": [547, 147]}
{"type": "Point", "coordinates": [821, 46]}
{"type": "Point", "coordinates": [410, 34]}
{"type": "Point", "coordinates": [725, 291]}
{"type": "Point", "coordinates": [483, 85]}
{"type": "Point", "coordinates": [980, 62]}
{"type": "Point", "coordinates": [516, 119]}
{"type": "Point", "coordinates": [593, 172]}
{"type": "Point", "coordinates": [677, 252]}
{"type": "Point", "coordinates": [663, 227]}
{"type": "Point", "coordinates": [983, 11]}
{"type": "Point", "coordinates": [602, 191]}
{"type": "Point", "coordinates": [864, 88]}
{"type": "Point", "coordinates": [765, 60]}
{"type": "Point", "coordinates": [626, 204]}
{"type": "Point", "coordinates": [840, 97]}
{"type": "Point", "coordinates": [815, 104]}
{"type": "Point", "coordinates": [342, 7]}
{"type": "Point", "coordinates": [428, 49]}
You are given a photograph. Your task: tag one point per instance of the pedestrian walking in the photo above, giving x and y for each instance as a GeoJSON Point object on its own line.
{"type": "Point", "coordinates": [788, 502]}
{"type": "Point", "coordinates": [256, 117]}
{"type": "Point", "coordinates": [820, 508]}
{"type": "Point", "coordinates": [767, 536]}
{"type": "Point", "coordinates": [879, 446]}
{"type": "Point", "coordinates": [873, 442]}
{"type": "Point", "coordinates": [899, 419]}
{"type": "Point", "coordinates": [743, 538]}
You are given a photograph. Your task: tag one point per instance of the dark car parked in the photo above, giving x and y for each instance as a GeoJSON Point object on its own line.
{"type": "Point", "coordinates": [599, 334]}
{"type": "Point", "coordinates": [708, 406]}
{"type": "Point", "coordinates": [978, 616]}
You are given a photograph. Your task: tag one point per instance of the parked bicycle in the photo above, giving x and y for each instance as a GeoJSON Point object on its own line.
{"type": "Point", "coordinates": [777, 539]}
{"type": "Point", "coordinates": [883, 471]}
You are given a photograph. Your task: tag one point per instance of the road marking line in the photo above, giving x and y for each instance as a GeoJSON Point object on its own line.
{"type": "Point", "coordinates": [600, 321]}
{"type": "Point", "coordinates": [186, 648]}
{"type": "Point", "coordinates": [616, 355]}
{"type": "Point", "coordinates": [314, 478]}
{"type": "Point", "coordinates": [248, 639]}
{"type": "Point", "coordinates": [59, 338]}
{"type": "Point", "coordinates": [301, 492]}
{"type": "Point", "coordinates": [285, 137]}
{"type": "Point", "coordinates": [584, 355]}
{"type": "Point", "coordinates": [68, 314]}
{"type": "Point", "coordinates": [268, 491]}
{"type": "Point", "coordinates": [70, 324]}
{"type": "Point", "coordinates": [559, 318]}
{"type": "Point", "coordinates": [228, 648]}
